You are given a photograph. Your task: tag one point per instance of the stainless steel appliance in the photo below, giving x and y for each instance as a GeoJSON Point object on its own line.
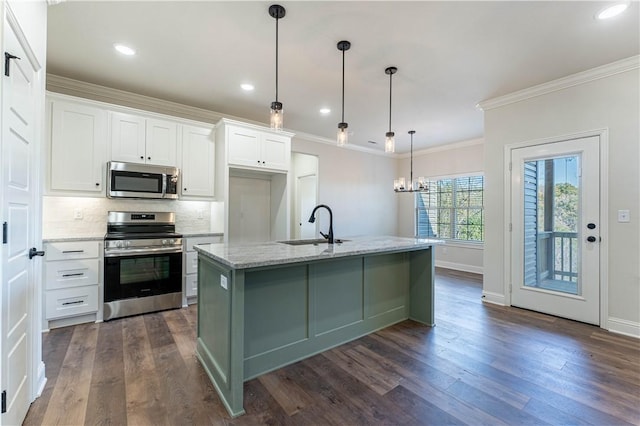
{"type": "Point", "coordinates": [142, 264]}
{"type": "Point", "coordinates": [131, 180]}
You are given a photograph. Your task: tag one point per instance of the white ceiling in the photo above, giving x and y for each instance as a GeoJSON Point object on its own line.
{"type": "Point", "coordinates": [450, 55]}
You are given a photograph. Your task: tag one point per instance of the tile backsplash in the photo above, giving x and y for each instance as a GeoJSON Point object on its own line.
{"type": "Point", "coordinates": [73, 217]}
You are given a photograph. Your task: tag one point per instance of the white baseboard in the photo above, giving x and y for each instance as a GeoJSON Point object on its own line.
{"type": "Point", "coordinates": [495, 298]}
{"type": "Point", "coordinates": [621, 326]}
{"type": "Point", "coordinates": [460, 267]}
{"type": "Point", "coordinates": [41, 380]}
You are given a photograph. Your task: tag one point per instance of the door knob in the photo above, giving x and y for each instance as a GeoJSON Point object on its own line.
{"type": "Point", "coordinates": [591, 239]}
{"type": "Point", "coordinates": [591, 225]}
{"type": "Point", "coordinates": [33, 252]}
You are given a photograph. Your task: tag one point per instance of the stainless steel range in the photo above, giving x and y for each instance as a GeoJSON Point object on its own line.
{"type": "Point", "coordinates": [142, 264]}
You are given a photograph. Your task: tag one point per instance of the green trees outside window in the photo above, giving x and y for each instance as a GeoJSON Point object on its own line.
{"type": "Point", "coordinates": [452, 209]}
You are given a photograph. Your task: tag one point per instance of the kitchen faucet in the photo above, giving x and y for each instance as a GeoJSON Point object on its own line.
{"type": "Point", "coordinates": [312, 219]}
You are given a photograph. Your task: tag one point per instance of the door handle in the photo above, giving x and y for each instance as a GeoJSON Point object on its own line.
{"type": "Point", "coordinates": [33, 252]}
{"type": "Point", "coordinates": [591, 239]}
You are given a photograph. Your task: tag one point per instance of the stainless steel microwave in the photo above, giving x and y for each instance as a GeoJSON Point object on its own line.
{"type": "Point", "coordinates": [131, 180]}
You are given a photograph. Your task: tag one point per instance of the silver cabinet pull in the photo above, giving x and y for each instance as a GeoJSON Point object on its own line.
{"type": "Point", "coordinates": [77, 274]}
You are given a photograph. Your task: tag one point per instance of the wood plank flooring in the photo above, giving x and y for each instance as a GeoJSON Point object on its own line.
{"type": "Point", "coordinates": [481, 364]}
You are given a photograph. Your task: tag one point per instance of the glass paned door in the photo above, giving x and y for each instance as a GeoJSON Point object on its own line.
{"type": "Point", "coordinates": [551, 213]}
{"type": "Point", "coordinates": [555, 236]}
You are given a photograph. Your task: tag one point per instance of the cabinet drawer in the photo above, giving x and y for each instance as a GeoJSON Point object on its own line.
{"type": "Point", "coordinates": [71, 273]}
{"type": "Point", "coordinates": [72, 250]}
{"type": "Point", "coordinates": [191, 266]}
{"type": "Point", "coordinates": [71, 301]}
{"type": "Point", "coordinates": [192, 241]}
{"type": "Point", "coordinates": [191, 284]}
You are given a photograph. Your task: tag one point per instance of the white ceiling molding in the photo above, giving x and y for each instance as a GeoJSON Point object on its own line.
{"type": "Point", "coordinates": [446, 147]}
{"type": "Point", "coordinates": [583, 77]}
{"type": "Point", "coordinates": [327, 141]}
{"type": "Point", "coordinates": [96, 92]}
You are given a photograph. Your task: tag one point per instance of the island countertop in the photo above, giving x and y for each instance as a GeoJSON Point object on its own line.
{"type": "Point", "coordinates": [257, 255]}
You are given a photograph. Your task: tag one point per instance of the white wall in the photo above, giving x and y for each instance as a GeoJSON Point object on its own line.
{"type": "Point", "coordinates": [358, 186]}
{"type": "Point", "coordinates": [605, 103]}
{"type": "Point", "coordinates": [462, 158]}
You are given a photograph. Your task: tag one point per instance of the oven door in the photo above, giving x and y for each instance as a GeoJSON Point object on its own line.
{"type": "Point", "coordinates": [141, 275]}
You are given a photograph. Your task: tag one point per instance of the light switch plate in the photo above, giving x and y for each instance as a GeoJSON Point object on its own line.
{"type": "Point", "coordinates": [623, 216]}
{"type": "Point", "coordinates": [223, 282]}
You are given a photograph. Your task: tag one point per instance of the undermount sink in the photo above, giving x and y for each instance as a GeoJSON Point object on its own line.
{"type": "Point", "coordinates": [308, 242]}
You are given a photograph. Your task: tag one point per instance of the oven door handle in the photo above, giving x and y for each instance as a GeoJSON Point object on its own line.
{"type": "Point", "coordinates": [143, 250]}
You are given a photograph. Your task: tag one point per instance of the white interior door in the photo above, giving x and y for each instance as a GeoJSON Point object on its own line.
{"type": "Point", "coordinates": [306, 198]}
{"type": "Point", "coordinates": [17, 210]}
{"type": "Point", "coordinates": [555, 205]}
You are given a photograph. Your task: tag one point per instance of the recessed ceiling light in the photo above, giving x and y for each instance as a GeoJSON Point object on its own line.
{"type": "Point", "coordinates": [125, 50]}
{"type": "Point", "coordinates": [247, 87]}
{"type": "Point", "coordinates": [612, 11]}
{"type": "Point", "coordinates": [324, 111]}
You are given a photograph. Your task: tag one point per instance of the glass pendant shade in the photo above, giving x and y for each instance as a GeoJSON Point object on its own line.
{"type": "Point", "coordinates": [389, 142]}
{"type": "Point", "coordinates": [276, 117]}
{"type": "Point", "coordinates": [343, 135]}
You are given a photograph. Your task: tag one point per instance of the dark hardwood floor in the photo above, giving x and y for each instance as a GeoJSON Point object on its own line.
{"type": "Point", "coordinates": [481, 364]}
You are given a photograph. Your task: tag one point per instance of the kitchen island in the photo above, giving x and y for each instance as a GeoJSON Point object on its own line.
{"type": "Point", "coordinates": [263, 306]}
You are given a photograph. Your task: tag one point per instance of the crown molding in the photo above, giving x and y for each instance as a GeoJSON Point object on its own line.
{"type": "Point", "coordinates": [446, 147]}
{"type": "Point", "coordinates": [583, 77]}
{"type": "Point", "coordinates": [68, 86]}
{"type": "Point", "coordinates": [319, 139]}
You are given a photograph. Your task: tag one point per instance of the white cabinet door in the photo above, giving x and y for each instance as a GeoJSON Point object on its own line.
{"type": "Point", "coordinates": [162, 142]}
{"type": "Point", "coordinates": [127, 138]}
{"type": "Point", "coordinates": [198, 159]}
{"type": "Point", "coordinates": [244, 147]}
{"type": "Point", "coordinates": [276, 152]}
{"type": "Point", "coordinates": [136, 139]}
{"type": "Point", "coordinates": [78, 147]}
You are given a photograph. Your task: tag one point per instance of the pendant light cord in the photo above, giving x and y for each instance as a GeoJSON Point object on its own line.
{"type": "Point", "coordinates": [343, 85]}
{"type": "Point", "coordinates": [390, 83]}
{"type": "Point", "coordinates": [277, 19]}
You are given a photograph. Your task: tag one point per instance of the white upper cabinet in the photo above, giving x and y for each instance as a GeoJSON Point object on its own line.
{"type": "Point", "coordinates": [198, 161]}
{"type": "Point", "coordinates": [136, 139]}
{"type": "Point", "coordinates": [78, 147]}
{"type": "Point", "coordinates": [258, 149]}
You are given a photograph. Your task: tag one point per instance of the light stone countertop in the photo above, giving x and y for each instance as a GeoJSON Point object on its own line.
{"type": "Point", "coordinates": [277, 253]}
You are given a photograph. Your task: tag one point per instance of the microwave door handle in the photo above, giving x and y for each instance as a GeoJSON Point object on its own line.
{"type": "Point", "coordinates": [164, 185]}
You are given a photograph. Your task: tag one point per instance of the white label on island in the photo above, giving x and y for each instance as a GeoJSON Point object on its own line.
{"type": "Point", "coordinates": [223, 282]}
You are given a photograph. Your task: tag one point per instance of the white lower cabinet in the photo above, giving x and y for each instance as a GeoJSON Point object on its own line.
{"type": "Point", "coordinates": [190, 264]}
{"type": "Point", "coordinates": [72, 275]}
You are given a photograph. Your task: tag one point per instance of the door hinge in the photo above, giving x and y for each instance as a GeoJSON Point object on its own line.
{"type": "Point", "coordinates": [510, 289]}
{"type": "Point", "coordinates": [7, 62]}
{"type": "Point", "coordinates": [510, 227]}
{"type": "Point", "coordinates": [5, 230]}
{"type": "Point", "coordinates": [4, 402]}
{"type": "Point", "coordinates": [510, 165]}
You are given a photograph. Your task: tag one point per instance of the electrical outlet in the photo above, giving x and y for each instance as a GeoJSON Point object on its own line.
{"type": "Point", "coordinates": [200, 214]}
{"type": "Point", "coordinates": [77, 214]}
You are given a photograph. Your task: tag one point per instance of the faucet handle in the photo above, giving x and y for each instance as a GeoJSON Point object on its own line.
{"type": "Point", "coordinates": [326, 236]}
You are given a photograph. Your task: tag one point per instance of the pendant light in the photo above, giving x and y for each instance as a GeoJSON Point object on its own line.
{"type": "Point", "coordinates": [419, 185]}
{"type": "Point", "coordinates": [276, 120]}
{"type": "Point", "coordinates": [389, 141]}
{"type": "Point", "coordinates": [343, 136]}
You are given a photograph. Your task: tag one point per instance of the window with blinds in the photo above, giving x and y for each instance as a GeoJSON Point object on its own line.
{"type": "Point", "coordinates": [452, 209]}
